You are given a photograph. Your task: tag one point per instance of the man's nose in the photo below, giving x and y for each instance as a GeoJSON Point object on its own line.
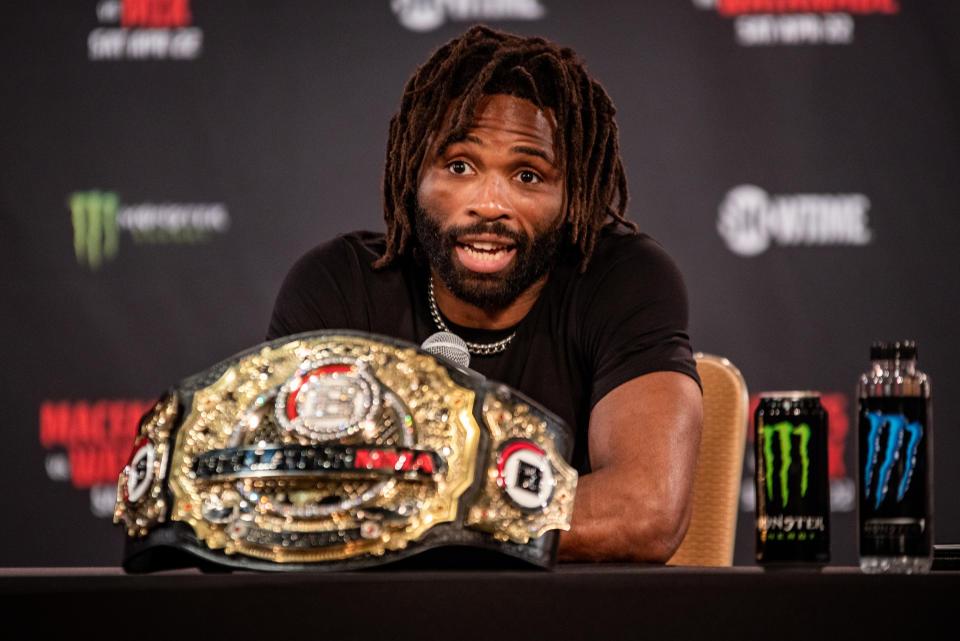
{"type": "Point", "coordinates": [491, 199]}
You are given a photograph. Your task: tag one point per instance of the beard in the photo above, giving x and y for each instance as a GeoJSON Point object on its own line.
{"type": "Point", "coordinates": [488, 291]}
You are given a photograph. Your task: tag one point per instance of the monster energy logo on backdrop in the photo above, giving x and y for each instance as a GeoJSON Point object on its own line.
{"type": "Point", "coordinates": [94, 217]}
{"type": "Point", "coordinates": [98, 217]}
{"type": "Point", "coordinates": [897, 425]}
{"type": "Point", "coordinates": [785, 431]}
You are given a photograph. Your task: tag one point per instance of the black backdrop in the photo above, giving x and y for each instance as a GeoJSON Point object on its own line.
{"type": "Point", "coordinates": [165, 161]}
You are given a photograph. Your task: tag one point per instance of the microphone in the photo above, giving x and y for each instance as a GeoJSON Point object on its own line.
{"type": "Point", "coordinates": [449, 346]}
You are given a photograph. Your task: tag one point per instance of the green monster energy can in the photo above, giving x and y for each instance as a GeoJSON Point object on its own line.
{"type": "Point", "coordinates": [793, 491]}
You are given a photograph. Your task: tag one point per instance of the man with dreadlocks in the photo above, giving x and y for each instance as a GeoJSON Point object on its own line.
{"type": "Point", "coordinates": [504, 198]}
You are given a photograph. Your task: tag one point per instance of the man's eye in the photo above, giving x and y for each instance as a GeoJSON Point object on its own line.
{"type": "Point", "coordinates": [528, 177]}
{"type": "Point", "coordinates": [459, 167]}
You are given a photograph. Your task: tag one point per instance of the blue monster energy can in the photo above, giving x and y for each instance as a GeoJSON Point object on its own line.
{"type": "Point", "coordinates": [792, 483]}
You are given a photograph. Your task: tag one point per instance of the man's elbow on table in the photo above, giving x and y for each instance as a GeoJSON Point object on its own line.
{"type": "Point", "coordinates": [614, 522]}
{"type": "Point", "coordinates": [655, 535]}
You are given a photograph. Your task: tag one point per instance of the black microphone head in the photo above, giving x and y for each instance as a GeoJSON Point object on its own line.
{"type": "Point", "coordinates": [449, 346]}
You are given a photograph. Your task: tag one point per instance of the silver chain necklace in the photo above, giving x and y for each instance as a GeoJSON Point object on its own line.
{"type": "Point", "coordinates": [477, 349]}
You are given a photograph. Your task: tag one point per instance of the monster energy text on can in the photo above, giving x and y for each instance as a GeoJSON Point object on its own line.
{"type": "Point", "coordinates": [793, 492]}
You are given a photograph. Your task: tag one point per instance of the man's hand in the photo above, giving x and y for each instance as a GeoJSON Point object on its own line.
{"type": "Point", "coordinates": [635, 504]}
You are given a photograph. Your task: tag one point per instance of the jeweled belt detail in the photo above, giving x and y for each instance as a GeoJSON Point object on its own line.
{"type": "Point", "coordinates": [303, 460]}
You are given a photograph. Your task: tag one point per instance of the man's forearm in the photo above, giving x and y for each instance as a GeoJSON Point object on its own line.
{"type": "Point", "coordinates": [612, 523]}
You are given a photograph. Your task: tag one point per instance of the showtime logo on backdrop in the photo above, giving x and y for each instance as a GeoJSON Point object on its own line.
{"type": "Point", "coordinates": [750, 220]}
{"type": "Point", "coordinates": [843, 494]}
{"type": "Point", "coordinates": [427, 15]}
{"type": "Point", "coordinates": [88, 443]}
{"type": "Point", "coordinates": [796, 22]}
{"type": "Point", "coordinates": [98, 217]}
{"type": "Point", "coordinates": [149, 30]}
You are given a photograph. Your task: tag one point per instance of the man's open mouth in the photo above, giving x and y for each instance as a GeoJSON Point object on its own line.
{"type": "Point", "coordinates": [482, 255]}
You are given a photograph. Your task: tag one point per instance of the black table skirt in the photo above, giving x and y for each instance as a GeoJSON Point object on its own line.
{"type": "Point", "coordinates": [570, 602]}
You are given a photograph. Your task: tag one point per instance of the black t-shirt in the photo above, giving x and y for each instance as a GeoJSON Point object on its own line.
{"type": "Point", "coordinates": [587, 333]}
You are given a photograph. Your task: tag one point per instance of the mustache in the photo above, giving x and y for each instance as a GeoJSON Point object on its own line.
{"type": "Point", "coordinates": [494, 227]}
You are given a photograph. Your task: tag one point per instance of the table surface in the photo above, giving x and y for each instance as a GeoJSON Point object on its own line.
{"type": "Point", "coordinates": [589, 601]}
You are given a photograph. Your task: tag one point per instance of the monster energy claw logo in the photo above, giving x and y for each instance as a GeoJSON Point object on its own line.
{"type": "Point", "coordinates": [896, 426]}
{"type": "Point", "coordinates": [98, 217]}
{"type": "Point", "coordinates": [94, 217]}
{"type": "Point", "coordinates": [785, 432]}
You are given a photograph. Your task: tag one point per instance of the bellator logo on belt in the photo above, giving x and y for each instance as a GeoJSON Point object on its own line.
{"type": "Point", "coordinates": [139, 470]}
{"type": "Point", "coordinates": [525, 475]}
{"type": "Point", "coordinates": [328, 401]}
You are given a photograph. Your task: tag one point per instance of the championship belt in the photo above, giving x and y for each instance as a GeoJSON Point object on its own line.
{"type": "Point", "coordinates": [340, 450]}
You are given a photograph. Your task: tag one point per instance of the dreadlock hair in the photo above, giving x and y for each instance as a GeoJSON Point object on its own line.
{"type": "Point", "coordinates": [483, 62]}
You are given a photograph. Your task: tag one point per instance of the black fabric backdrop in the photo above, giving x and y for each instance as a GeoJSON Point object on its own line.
{"type": "Point", "coordinates": [165, 161]}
